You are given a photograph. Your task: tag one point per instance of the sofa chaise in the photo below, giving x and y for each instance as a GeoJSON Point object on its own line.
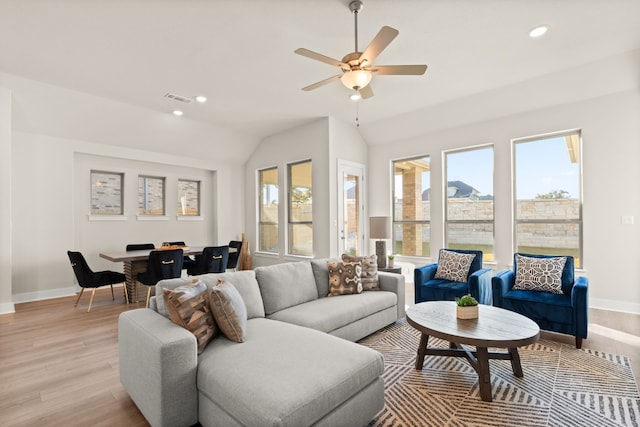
{"type": "Point", "coordinates": [298, 365]}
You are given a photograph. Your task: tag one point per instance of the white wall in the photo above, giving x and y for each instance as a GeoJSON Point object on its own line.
{"type": "Point", "coordinates": [610, 132]}
{"type": "Point", "coordinates": [42, 130]}
{"type": "Point", "coordinates": [324, 142]}
{"type": "Point", "coordinates": [346, 144]}
{"type": "Point", "coordinates": [6, 303]}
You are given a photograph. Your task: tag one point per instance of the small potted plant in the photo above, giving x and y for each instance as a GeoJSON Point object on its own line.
{"type": "Point", "coordinates": [390, 258]}
{"type": "Point", "coordinates": [466, 307]}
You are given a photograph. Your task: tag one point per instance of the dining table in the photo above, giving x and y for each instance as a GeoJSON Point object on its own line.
{"type": "Point", "coordinates": [136, 262]}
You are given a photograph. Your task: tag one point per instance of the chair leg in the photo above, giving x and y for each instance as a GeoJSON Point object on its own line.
{"type": "Point", "coordinates": [578, 343]}
{"type": "Point", "coordinates": [113, 297]}
{"type": "Point", "coordinates": [79, 295]}
{"type": "Point", "coordinates": [126, 293]}
{"type": "Point", "coordinates": [91, 300]}
{"type": "Point", "coordinates": [148, 296]}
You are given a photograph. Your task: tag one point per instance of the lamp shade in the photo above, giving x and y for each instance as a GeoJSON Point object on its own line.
{"type": "Point", "coordinates": [380, 227]}
{"type": "Point", "coordinates": [356, 79]}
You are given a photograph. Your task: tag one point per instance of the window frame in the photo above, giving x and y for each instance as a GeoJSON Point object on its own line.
{"type": "Point", "coordinates": [144, 211]}
{"type": "Point", "coordinates": [290, 221]}
{"type": "Point", "coordinates": [399, 221]}
{"type": "Point", "coordinates": [579, 264]}
{"type": "Point", "coordinates": [121, 177]}
{"type": "Point", "coordinates": [261, 205]}
{"type": "Point", "coordinates": [445, 202]}
{"type": "Point", "coordinates": [199, 196]}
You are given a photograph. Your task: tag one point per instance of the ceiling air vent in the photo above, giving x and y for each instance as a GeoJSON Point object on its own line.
{"type": "Point", "coordinates": [178, 98]}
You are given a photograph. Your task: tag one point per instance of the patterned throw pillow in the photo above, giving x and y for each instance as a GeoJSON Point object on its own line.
{"type": "Point", "coordinates": [188, 306]}
{"type": "Point", "coordinates": [369, 274]}
{"type": "Point", "coordinates": [539, 274]}
{"type": "Point", "coordinates": [229, 310]}
{"type": "Point", "coordinates": [344, 278]}
{"type": "Point", "coordinates": [453, 266]}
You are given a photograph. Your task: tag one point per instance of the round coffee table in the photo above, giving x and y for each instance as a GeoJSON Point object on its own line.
{"type": "Point", "coordinates": [494, 327]}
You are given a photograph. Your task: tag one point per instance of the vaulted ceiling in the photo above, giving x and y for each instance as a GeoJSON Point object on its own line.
{"type": "Point", "coordinates": [239, 53]}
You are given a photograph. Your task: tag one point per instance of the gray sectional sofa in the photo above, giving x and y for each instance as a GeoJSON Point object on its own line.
{"type": "Point", "coordinates": [298, 365]}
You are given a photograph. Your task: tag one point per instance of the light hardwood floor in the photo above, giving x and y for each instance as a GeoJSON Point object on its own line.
{"type": "Point", "coordinates": [59, 364]}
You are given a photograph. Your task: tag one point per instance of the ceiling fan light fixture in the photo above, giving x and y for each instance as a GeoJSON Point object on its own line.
{"type": "Point", "coordinates": [356, 96]}
{"type": "Point", "coordinates": [356, 79]}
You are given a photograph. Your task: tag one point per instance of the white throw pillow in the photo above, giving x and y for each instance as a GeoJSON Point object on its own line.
{"type": "Point", "coordinates": [453, 266]}
{"type": "Point", "coordinates": [539, 274]}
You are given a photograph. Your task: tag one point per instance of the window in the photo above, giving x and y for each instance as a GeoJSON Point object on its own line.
{"type": "Point", "coordinates": [106, 193]}
{"type": "Point", "coordinates": [300, 209]}
{"type": "Point", "coordinates": [548, 195]}
{"type": "Point", "coordinates": [150, 195]}
{"type": "Point", "coordinates": [411, 206]}
{"type": "Point", "coordinates": [188, 197]}
{"type": "Point", "coordinates": [469, 202]}
{"type": "Point", "coordinates": [268, 215]}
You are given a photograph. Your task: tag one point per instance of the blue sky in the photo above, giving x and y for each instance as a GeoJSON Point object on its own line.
{"type": "Point", "coordinates": [542, 166]}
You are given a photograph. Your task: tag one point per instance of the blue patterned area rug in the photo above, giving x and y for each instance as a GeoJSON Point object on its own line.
{"type": "Point", "coordinates": [562, 386]}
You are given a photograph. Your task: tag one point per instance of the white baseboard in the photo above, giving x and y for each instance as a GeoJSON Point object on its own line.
{"type": "Point", "coordinates": [614, 305]}
{"type": "Point", "coordinates": [48, 294]}
{"type": "Point", "coordinates": [7, 307]}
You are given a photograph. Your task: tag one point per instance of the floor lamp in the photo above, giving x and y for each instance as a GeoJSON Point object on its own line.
{"type": "Point", "coordinates": [379, 228]}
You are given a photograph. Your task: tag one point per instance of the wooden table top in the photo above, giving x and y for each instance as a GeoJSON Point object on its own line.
{"type": "Point", "coordinates": [494, 327]}
{"type": "Point", "coordinates": [142, 255]}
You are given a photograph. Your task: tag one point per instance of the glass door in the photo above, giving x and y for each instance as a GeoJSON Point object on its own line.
{"type": "Point", "coordinates": [350, 208]}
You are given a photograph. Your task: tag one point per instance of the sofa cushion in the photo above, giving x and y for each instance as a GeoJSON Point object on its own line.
{"type": "Point", "coordinates": [539, 274]}
{"type": "Point", "coordinates": [369, 273]}
{"type": "Point", "coordinates": [244, 281]}
{"type": "Point", "coordinates": [229, 311]}
{"type": "Point", "coordinates": [453, 266]}
{"type": "Point", "coordinates": [256, 385]}
{"type": "Point", "coordinates": [286, 285]}
{"type": "Point", "coordinates": [188, 306]}
{"type": "Point", "coordinates": [344, 278]}
{"type": "Point", "coordinates": [329, 314]}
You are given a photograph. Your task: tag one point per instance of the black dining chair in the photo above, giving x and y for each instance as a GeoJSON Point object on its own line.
{"type": "Point", "coordinates": [139, 246]}
{"type": "Point", "coordinates": [213, 260]}
{"type": "Point", "coordinates": [88, 278]}
{"type": "Point", "coordinates": [234, 256]}
{"type": "Point", "coordinates": [188, 262]}
{"type": "Point", "coordinates": [162, 264]}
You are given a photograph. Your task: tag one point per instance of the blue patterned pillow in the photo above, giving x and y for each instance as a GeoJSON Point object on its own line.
{"type": "Point", "coordinates": [539, 274]}
{"type": "Point", "coordinates": [453, 266]}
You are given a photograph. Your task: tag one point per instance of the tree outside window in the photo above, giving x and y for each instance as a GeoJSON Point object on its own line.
{"type": "Point", "coordinates": [548, 195]}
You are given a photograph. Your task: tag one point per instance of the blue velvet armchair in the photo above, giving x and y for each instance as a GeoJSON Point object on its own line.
{"type": "Point", "coordinates": [478, 283]}
{"type": "Point", "coordinates": [566, 313]}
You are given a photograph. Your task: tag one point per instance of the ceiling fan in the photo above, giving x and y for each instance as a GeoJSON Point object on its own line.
{"type": "Point", "coordinates": [357, 67]}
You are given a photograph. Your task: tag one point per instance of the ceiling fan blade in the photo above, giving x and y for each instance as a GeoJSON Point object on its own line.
{"type": "Point", "coordinates": [405, 70]}
{"type": "Point", "coordinates": [319, 57]}
{"type": "Point", "coordinates": [322, 83]}
{"type": "Point", "coordinates": [366, 92]}
{"type": "Point", "coordinates": [378, 44]}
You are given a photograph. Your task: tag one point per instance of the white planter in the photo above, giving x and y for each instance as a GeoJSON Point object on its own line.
{"type": "Point", "coordinates": [469, 312]}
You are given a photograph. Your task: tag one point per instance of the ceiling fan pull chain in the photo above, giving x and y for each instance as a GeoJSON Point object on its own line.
{"type": "Point", "coordinates": [357, 114]}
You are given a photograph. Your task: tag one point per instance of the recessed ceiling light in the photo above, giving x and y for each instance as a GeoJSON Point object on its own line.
{"type": "Point", "coordinates": [538, 31]}
{"type": "Point", "coordinates": [201, 98]}
{"type": "Point", "coordinates": [177, 113]}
